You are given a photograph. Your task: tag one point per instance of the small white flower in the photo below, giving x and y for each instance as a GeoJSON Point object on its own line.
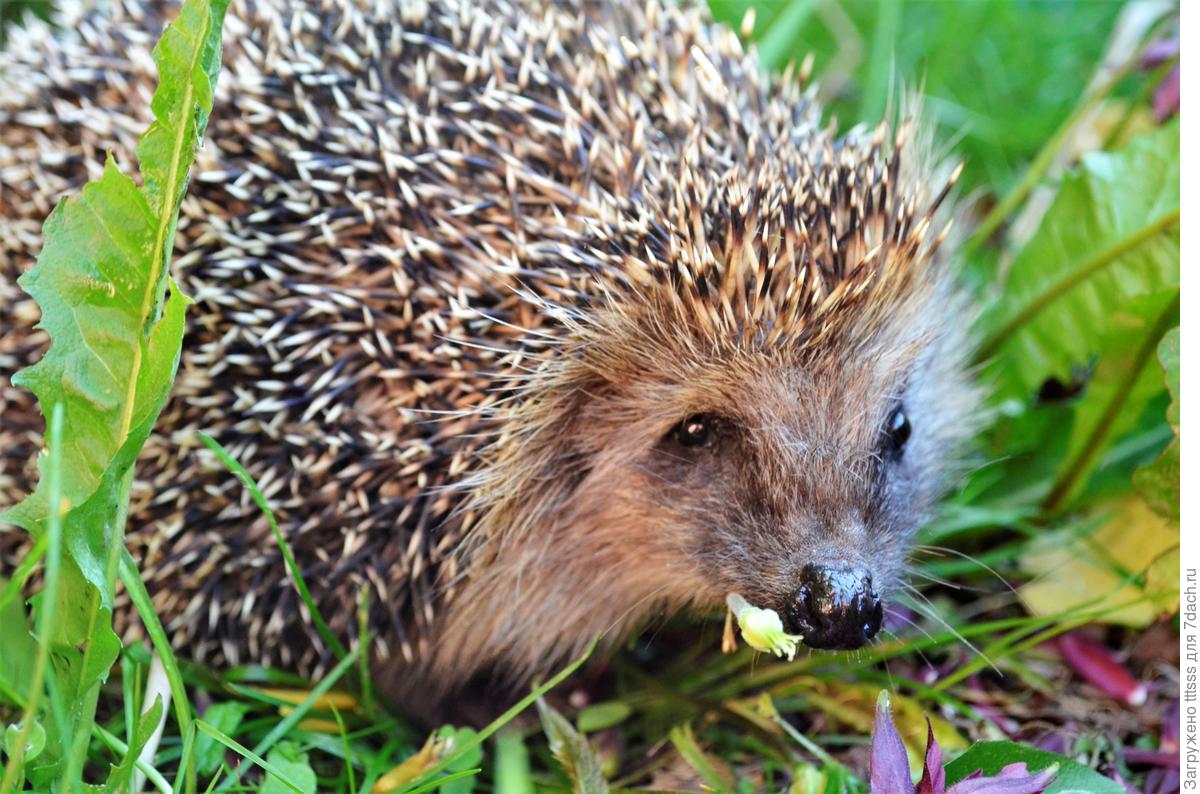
{"type": "Point", "coordinates": [762, 629]}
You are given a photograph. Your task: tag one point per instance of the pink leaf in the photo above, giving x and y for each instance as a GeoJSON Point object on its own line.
{"type": "Point", "coordinates": [1097, 665]}
{"type": "Point", "coordinates": [1166, 96]}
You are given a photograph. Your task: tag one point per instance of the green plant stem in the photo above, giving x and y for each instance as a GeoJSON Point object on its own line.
{"type": "Point", "coordinates": [47, 612]}
{"type": "Point", "coordinates": [1140, 101]}
{"type": "Point", "coordinates": [685, 743]}
{"type": "Point", "coordinates": [1066, 482]}
{"type": "Point", "coordinates": [162, 646]}
{"type": "Point", "coordinates": [187, 760]}
{"type": "Point", "coordinates": [364, 640]}
{"type": "Point", "coordinates": [1025, 643]}
{"type": "Point", "coordinates": [86, 715]}
{"type": "Point", "coordinates": [1042, 162]}
{"type": "Point", "coordinates": [802, 740]}
{"type": "Point", "coordinates": [1098, 262]}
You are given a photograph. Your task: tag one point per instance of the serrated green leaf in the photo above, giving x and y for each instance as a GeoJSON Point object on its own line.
{"type": "Point", "coordinates": [991, 757]}
{"type": "Point", "coordinates": [82, 642]}
{"type": "Point", "coordinates": [1158, 482]}
{"type": "Point", "coordinates": [188, 57]}
{"type": "Point", "coordinates": [101, 283]}
{"type": "Point", "coordinates": [573, 752]}
{"type": "Point", "coordinates": [102, 276]}
{"type": "Point", "coordinates": [1112, 234]}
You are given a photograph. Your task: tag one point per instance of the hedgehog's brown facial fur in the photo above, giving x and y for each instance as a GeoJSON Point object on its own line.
{"type": "Point", "coordinates": [696, 469]}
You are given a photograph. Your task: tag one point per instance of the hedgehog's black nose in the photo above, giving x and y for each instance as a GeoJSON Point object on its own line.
{"type": "Point", "coordinates": [834, 607]}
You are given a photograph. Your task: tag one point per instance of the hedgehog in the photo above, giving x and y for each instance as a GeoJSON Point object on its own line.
{"type": "Point", "coordinates": [535, 324]}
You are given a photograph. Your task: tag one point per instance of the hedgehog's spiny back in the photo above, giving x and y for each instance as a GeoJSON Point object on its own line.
{"type": "Point", "coordinates": [372, 187]}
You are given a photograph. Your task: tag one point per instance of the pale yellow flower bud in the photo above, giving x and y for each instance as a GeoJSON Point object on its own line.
{"type": "Point", "coordinates": [762, 629]}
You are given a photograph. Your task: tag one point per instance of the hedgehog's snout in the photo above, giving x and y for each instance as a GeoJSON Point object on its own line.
{"type": "Point", "coordinates": [835, 606]}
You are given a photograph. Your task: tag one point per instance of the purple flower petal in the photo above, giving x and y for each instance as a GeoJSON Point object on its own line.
{"type": "Point", "coordinates": [933, 779]}
{"type": "Point", "coordinates": [1160, 51]}
{"type": "Point", "coordinates": [1013, 779]}
{"type": "Point", "coordinates": [1162, 781]}
{"type": "Point", "coordinates": [889, 759]}
{"type": "Point", "coordinates": [1052, 742]}
{"type": "Point", "coordinates": [1129, 788]}
{"type": "Point", "coordinates": [1169, 741]}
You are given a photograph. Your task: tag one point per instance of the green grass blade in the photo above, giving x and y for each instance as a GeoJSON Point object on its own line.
{"type": "Point", "coordinates": [256, 493]}
{"type": "Point", "coordinates": [14, 769]}
{"type": "Point", "coordinates": [685, 743]}
{"type": "Point", "coordinates": [504, 718]}
{"type": "Point", "coordinates": [777, 46]}
{"type": "Point", "coordinates": [878, 78]}
{"type": "Point", "coordinates": [27, 566]}
{"type": "Point", "coordinates": [293, 718]}
{"type": "Point", "coordinates": [246, 752]}
{"type": "Point", "coordinates": [441, 781]}
{"type": "Point", "coordinates": [119, 777]}
{"type": "Point", "coordinates": [187, 760]}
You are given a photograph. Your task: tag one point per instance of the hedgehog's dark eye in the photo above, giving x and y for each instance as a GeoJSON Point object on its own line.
{"type": "Point", "coordinates": [896, 433]}
{"type": "Point", "coordinates": [696, 432]}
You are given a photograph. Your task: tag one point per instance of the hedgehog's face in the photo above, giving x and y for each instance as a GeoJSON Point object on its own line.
{"type": "Point", "coordinates": [796, 482]}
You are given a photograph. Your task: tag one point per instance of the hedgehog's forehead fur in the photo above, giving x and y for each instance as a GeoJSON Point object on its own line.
{"type": "Point", "coordinates": [559, 230]}
{"type": "Point", "coordinates": [807, 265]}
{"type": "Point", "coordinates": [785, 252]}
